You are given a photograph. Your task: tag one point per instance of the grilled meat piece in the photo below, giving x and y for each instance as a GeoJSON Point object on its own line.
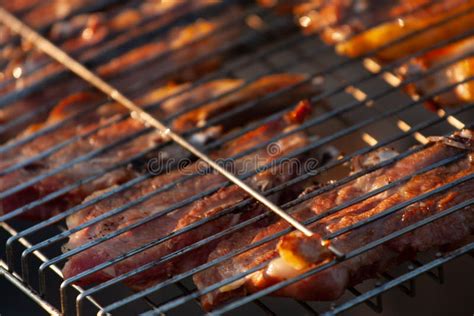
{"type": "Point", "coordinates": [254, 91]}
{"type": "Point", "coordinates": [153, 60]}
{"type": "Point", "coordinates": [455, 72]}
{"type": "Point", "coordinates": [348, 24]}
{"type": "Point", "coordinates": [294, 253]}
{"type": "Point", "coordinates": [182, 217]}
{"type": "Point", "coordinates": [107, 114]}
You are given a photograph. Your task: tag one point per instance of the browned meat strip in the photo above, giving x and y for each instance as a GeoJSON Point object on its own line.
{"type": "Point", "coordinates": [455, 72]}
{"type": "Point", "coordinates": [294, 253]}
{"type": "Point", "coordinates": [181, 217]}
{"type": "Point", "coordinates": [113, 133]}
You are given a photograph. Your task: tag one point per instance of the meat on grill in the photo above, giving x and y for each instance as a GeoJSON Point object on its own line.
{"type": "Point", "coordinates": [120, 130]}
{"type": "Point", "coordinates": [359, 27]}
{"type": "Point", "coordinates": [457, 71]}
{"type": "Point", "coordinates": [184, 216]}
{"type": "Point", "coordinates": [294, 253]}
{"type": "Point", "coordinates": [158, 60]}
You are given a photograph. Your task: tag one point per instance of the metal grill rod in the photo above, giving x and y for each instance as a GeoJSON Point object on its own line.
{"type": "Point", "coordinates": [42, 258]}
{"type": "Point", "coordinates": [401, 279]}
{"type": "Point", "coordinates": [26, 290]}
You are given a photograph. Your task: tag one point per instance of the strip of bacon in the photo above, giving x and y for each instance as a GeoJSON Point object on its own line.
{"type": "Point", "coordinates": [455, 72]}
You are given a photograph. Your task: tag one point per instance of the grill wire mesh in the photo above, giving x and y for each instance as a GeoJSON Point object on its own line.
{"type": "Point", "coordinates": [360, 106]}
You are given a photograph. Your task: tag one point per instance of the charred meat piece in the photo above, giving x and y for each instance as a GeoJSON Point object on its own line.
{"type": "Point", "coordinates": [348, 24]}
{"type": "Point", "coordinates": [118, 130]}
{"type": "Point", "coordinates": [182, 217]}
{"type": "Point", "coordinates": [456, 71]}
{"type": "Point", "coordinates": [258, 89]}
{"type": "Point", "coordinates": [294, 253]}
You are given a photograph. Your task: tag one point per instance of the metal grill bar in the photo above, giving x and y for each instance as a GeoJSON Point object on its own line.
{"type": "Point", "coordinates": [41, 257]}
{"type": "Point", "coordinates": [404, 278]}
{"type": "Point", "coordinates": [25, 289]}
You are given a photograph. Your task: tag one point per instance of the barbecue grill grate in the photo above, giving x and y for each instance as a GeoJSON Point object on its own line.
{"type": "Point", "coordinates": [360, 97]}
